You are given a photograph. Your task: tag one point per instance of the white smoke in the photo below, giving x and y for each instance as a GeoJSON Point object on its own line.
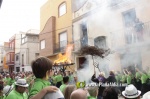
{"type": "Point", "coordinates": [107, 21]}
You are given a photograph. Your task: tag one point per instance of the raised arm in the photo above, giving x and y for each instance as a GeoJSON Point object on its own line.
{"type": "Point", "coordinates": [125, 72]}
{"type": "Point", "coordinates": [42, 93]}
{"type": "Point", "coordinates": [138, 70]}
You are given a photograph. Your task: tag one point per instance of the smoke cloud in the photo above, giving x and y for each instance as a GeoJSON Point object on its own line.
{"type": "Point", "coordinates": [116, 20]}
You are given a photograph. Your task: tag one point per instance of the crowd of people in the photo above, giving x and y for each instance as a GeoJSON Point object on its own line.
{"type": "Point", "coordinates": [45, 83]}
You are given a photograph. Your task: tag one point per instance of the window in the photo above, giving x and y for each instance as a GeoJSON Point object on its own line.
{"type": "Point", "coordinates": [22, 59]}
{"type": "Point", "coordinates": [63, 39]}
{"type": "Point", "coordinates": [84, 35]}
{"type": "Point", "coordinates": [17, 57]}
{"type": "Point", "coordinates": [62, 9]}
{"type": "Point", "coordinates": [22, 69]}
{"type": "Point", "coordinates": [129, 17]}
{"type": "Point", "coordinates": [17, 69]}
{"type": "Point", "coordinates": [12, 57]}
{"type": "Point", "coordinates": [12, 45]}
{"type": "Point", "coordinates": [100, 42]}
{"type": "Point", "coordinates": [23, 39]}
{"type": "Point", "coordinates": [42, 44]}
{"type": "Point", "coordinates": [9, 57]}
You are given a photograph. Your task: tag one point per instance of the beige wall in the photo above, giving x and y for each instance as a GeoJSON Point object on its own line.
{"type": "Point", "coordinates": [63, 23]}
{"type": "Point", "coordinates": [52, 25]}
{"type": "Point", "coordinates": [29, 49]}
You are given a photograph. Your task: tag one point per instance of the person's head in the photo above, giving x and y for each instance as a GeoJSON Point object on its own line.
{"type": "Point", "coordinates": [110, 93]}
{"type": "Point", "coordinates": [102, 74]}
{"type": "Point", "coordinates": [75, 78]}
{"type": "Point", "coordinates": [111, 73]}
{"type": "Point", "coordinates": [65, 79]}
{"type": "Point", "coordinates": [93, 91]}
{"type": "Point", "coordinates": [21, 85]}
{"type": "Point", "coordinates": [68, 90]}
{"type": "Point", "coordinates": [41, 67]}
{"type": "Point", "coordinates": [131, 92]}
{"type": "Point", "coordinates": [79, 94]}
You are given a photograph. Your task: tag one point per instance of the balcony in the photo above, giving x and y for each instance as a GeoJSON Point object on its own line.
{"type": "Point", "coordinates": [10, 62]}
{"type": "Point", "coordinates": [8, 50]}
{"type": "Point", "coordinates": [131, 35]}
{"type": "Point", "coordinates": [78, 44]}
{"type": "Point", "coordinates": [60, 46]}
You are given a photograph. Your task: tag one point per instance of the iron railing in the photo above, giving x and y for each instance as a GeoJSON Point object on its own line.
{"type": "Point", "coordinates": [60, 46]}
{"type": "Point", "coordinates": [78, 44]}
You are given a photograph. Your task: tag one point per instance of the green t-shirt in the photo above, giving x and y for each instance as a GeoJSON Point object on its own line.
{"type": "Point", "coordinates": [16, 95]}
{"type": "Point", "coordinates": [59, 78]}
{"type": "Point", "coordinates": [38, 85]}
{"type": "Point", "coordinates": [123, 79]}
{"type": "Point", "coordinates": [148, 74]}
{"type": "Point", "coordinates": [70, 77]}
{"type": "Point", "coordinates": [137, 76]}
{"type": "Point", "coordinates": [8, 81]}
{"type": "Point", "coordinates": [118, 77]}
{"type": "Point", "coordinates": [1, 97]}
{"type": "Point", "coordinates": [129, 79]}
{"type": "Point", "coordinates": [144, 78]}
{"type": "Point", "coordinates": [54, 79]}
{"type": "Point", "coordinates": [62, 87]}
{"type": "Point", "coordinates": [91, 97]}
{"type": "Point", "coordinates": [12, 81]}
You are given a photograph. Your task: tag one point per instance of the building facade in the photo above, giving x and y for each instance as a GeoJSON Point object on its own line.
{"type": "Point", "coordinates": [10, 54]}
{"type": "Point", "coordinates": [122, 26]}
{"type": "Point", "coordinates": [5, 66]}
{"type": "Point", "coordinates": [29, 50]}
{"type": "Point", "coordinates": [55, 27]}
{"type": "Point", "coordinates": [17, 51]}
{"type": "Point", "coordinates": [1, 58]}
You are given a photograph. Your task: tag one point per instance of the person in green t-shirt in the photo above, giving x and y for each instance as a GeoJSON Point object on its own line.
{"type": "Point", "coordinates": [19, 91]}
{"type": "Point", "coordinates": [63, 86]}
{"type": "Point", "coordinates": [7, 79]}
{"type": "Point", "coordinates": [59, 79]}
{"type": "Point", "coordinates": [41, 68]}
{"type": "Point", "coordinates": [144, 78]}
{"type": "Point", "coordinates": [123, 79]}
{"type": "Point", "coordinates": [128, 75]}
{"type": "Point", "coordinates": [138, 80]}
{"type": "Point", "coordinates": [12, 80]}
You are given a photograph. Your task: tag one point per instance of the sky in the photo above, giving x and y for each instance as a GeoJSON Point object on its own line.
{"type": "Point", "coordinates": [19, 15]}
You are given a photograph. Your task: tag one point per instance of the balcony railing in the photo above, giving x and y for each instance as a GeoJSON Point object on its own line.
{"type": "Point", "coordinates": [60, 46]}
{"type": "Point", "coordinates": [131, 35]}
{"type": "Point", "coordinates": [78, 44]}
{"type": "Point", "coordinates": [10, 62]}
{"type": "Point", "coordinates": [9, 49]}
